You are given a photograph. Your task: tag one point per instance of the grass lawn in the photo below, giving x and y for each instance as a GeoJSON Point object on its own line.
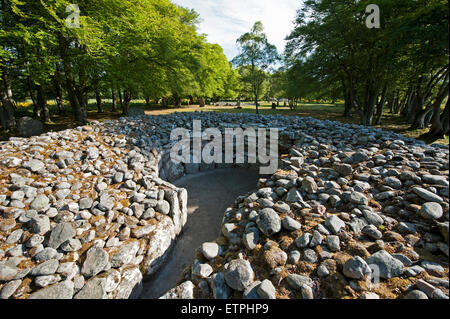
{"type": "Point", "coordinates": [320, 111]}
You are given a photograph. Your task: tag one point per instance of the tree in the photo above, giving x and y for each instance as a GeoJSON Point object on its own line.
{"type": "Point", "coordinates": [404, 64]}
{"type": "Point", "coordinates": [129, 49]}
{"type": "Point", "coordinates": [278, 84]}
{"type": "Point", "coordinates": [258, 55]}
{"type": "Point", "coordinates": [7, 119]}
{"type": "Point", "coordinates": [232, 85]}
{"type": "Point", "coordinates": [213, 71]}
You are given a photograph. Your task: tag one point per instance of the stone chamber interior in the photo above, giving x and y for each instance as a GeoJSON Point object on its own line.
{"type": "Point", "coordinates": [210, 193]}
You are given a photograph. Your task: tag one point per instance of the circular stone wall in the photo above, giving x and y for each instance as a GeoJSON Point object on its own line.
{"type": "Point", "coordinates": [84, 213]}
{"type": "Point", "coordinates": [210, 194]}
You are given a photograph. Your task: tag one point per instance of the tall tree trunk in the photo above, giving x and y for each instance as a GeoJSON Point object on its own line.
{"type": "Point", "coordinates": [85, 95]}
{"type": "Point", "coordinates": [371, 96]}
{"type": "Point", "coordinates": [445, 120]}
{"type": "Point", "coordinates": [415, 108]}
{"type": "Point", "coordinates": [406, 106]}
{"type": "Point", "coordinates": [348, 104]}
{"type": "Point", "coordinates": [439, 120]}
{"type": "Point", "coordinates": [83, 89]}
{"type": "Point", "coordinates": [439, 124]}
{"type": "Point", "coordinates": [164, 102]}
{"type": "Point", "coordinates": [76, 104]}
{"type": "Point", "coordinates": [120, 98]}
{"type": "Point", "coordinates": [83, 99]}
{"type": "Point", "coordinates": [201, 102]}
{"type": "Point", "coordinates": [114, 100]}
{"type": "Point", "coordinates": [428, 117]}
{"type": "Point", "coordinates": [256, 102]}
{"type": "Point", "coordinates": [380, 106]}
{"type": "Point", "coordinates": [255, 87]}
{"type": "Point", "coordinates": [390, 103]}
{"type": "Point", "coordinates": [423, 117]}
{"type": "Point", "coordinates": [98, 95]}
{"type": "Point", "coordinates": [395, 103]}
{"type": "Point", "coordinates": [59, 90]}
{"type": "Point", "coordinates": [126, 101]}
{"type": "Point", "coordinates": [8, 89]}
{"type": "Point", "coordinates": [37, 108]}
{"type": "Point", "coordinates": [32, 93]}
{"type": "Point", "coordinates": [98, 98]}
{"type": "Point", "coordinates": [7, 119]}
{"type": "Point", "coordinates": [435, 119]}
{"type": "Point", "coordinates": [400, 103]}
{"type": "Point", "coordinates": [349, 97]}
{"type": "Point", "coordinates": [147, 101]}
{"type": "Point", "coordinates": [176, 100]}
{"type": "Point", "coordinates": [42, 104]}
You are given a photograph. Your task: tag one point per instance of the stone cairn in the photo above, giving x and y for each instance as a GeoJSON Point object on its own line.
{"type": "Point", "coordinates": [352, 212]}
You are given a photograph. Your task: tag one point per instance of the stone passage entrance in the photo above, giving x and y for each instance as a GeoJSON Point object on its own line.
{"type": "Point", "coordinates": [209, 195]}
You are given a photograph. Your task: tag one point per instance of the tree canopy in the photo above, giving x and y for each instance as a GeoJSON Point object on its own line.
{"type": "Point", "coordinates": [404, 64]}
{"type": "Point", "coordinates": [256, 56]}
{"type": "Point", "coordinates": [152, 50]}
{"type": "Point", "coordinates": [140, 49]}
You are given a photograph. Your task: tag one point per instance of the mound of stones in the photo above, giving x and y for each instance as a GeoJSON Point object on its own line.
{"type": "Point", "coordinates": [352, 212]}
{"type": "Point", "coordinates": [83, 214]}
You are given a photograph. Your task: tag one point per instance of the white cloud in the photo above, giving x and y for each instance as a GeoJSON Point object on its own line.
{"type": "Point", "coordinates": [226, 20]}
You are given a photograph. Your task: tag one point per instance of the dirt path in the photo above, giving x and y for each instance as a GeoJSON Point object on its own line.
{"type": "Point", "coordinates": [209, 195]}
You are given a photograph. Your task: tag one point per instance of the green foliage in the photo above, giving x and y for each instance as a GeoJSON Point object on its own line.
{"type": "Point", "coordinates": [331, 53]}
{"type": "Point", "coordinates": [148, 48]}
{"type": "Point", "coordinates": [256, 57]}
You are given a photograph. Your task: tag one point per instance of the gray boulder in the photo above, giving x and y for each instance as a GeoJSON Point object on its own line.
{"type": "Point", "coordinates": [297, 281]}
{"type": "Point", "coordinates": [431, 210]}
{"type": "Point", "coordinates": [220, 289]}
{"type": "Point", "coordinates": [266, 290]}
{"type": "Point", "coordinates": [239, 274]}
{"type": "Point", "coordinates": [61, 233]}
{"type": "Point", "coordinates": [356, 268]}
{"type": "Point", "coordinates": [93, 289]}
{"type": "Point", "coordinates": [27, 127]}
{"type": "Point", "coordinates": [334, 223]}
{"type": "Point", "coordinates": [62, 290]}
{"type": "Point", "coordinates": [39, 203]}
{"type": "Point", "coordinates": [46, 268]}
{"type": "Point", "coordinates": [96, 261]}
{"type": "Point", "coordinates": [388, 266]}
{"type": "Point", "coordinates": [268, 222]}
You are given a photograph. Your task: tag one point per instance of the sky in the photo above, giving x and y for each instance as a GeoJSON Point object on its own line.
{"type": "Point", "coordinates": [224, 21]}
